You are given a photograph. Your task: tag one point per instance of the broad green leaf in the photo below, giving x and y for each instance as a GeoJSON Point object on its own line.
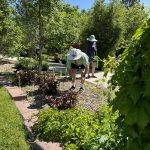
{"type": "Point", "coordinates": [146, 146]}
{"type": "Point", "coordinates": [135, 92]}
{"type": "Point", "coordinates": [146, 105]}
{"type": "Point", "coordinates": [132, 131]}
{"type": "Point", "coordinates": [132, 145]}
{"type": "Point", "coordinates": [143, 118]}
{"type": "Point", "coordinates": [124, 105]}
{"type": "Point", "coordinates": [131, 117]}
{"type": "Point", "coordinates": [147, 90]}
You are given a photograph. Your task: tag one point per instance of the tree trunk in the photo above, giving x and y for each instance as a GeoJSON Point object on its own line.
{"type": "Point", "coordinates": [40, 36]}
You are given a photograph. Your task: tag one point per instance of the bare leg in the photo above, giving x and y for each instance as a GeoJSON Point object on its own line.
{"type": "Point", "coordinates": [73, 76]}
{"type": "Point", "coordinates": [88, 70]}
{"type": "Point", "coordinates": [93, 67]}
{"type": "Point", "coordinates": [82, 76]}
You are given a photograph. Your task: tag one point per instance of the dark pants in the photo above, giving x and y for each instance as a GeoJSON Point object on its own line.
{"type": "Point", "coordinates": [74, 66]}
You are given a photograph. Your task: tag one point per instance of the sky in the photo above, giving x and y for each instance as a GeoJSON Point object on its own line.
{"type": "Point", "coordinates": [87, 4]}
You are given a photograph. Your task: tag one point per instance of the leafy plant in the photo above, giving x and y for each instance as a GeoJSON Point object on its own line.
{"type": "Point", "coordinates": [78, 128]}
{"type": "Point", "coordinates": [45, 65]}
{"type": "Point", "coordinates": [26, 64]}
{"type": "Point", "coordinates": [64, 101]}
{"type": "Point", "coordinates": [47, 82]}
{"type": "Point", "coordinates": [25, 77]}
{"type": "Point", "coordinates": [30, 64]}
{"type": "Point", "coordinates": [110, 64]}
{"type": "Point", "coordinates": [45, 57]}
{"type": "Point", "coordinates": [132, 77]}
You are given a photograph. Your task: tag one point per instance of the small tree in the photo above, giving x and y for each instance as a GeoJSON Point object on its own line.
{"type": "Point", "coordinates": [10, 33]}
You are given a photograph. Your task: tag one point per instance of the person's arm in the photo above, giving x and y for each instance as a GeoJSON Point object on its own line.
{"type": "Point", "coordinates": [86, 69]}
{"type": "Point", "coordinates": [69, 67]}
{"type": "Point", "coordinates": [85, 63]}
{"type": "Point", "coordinates": [94, 46]}
{"type": "Point", "coordinates": [68, 64]}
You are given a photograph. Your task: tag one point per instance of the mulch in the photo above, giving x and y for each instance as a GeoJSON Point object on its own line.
{"type": "Point", "coordinates": [92, 96]}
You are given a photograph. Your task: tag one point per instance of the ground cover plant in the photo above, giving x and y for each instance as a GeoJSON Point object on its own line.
{"type": "Point", "coordinates": [24, 77]}
{"type": "Point", "coordinates": [46, 86]}
{"type": "Point", "coordinates": [78, 128]}
{"type": "Point", "coordinates": [12, 133]}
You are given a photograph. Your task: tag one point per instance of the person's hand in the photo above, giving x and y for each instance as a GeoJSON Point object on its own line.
{"type": "Point", "coordinates": [83, 74]}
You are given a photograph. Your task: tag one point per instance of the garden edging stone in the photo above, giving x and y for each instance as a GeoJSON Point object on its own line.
{"type": "Point", "coordinates": [16, 93]}
{"type": "Point", "coordinates": [28, 116]}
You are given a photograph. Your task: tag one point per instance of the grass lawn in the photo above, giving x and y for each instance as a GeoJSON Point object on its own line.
{"type": "Point", "coordinates": [12, 133]}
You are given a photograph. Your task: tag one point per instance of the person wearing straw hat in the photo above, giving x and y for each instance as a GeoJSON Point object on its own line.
{"type": "Point", "coordinates": [76, 59]}
{"type": "Point", "coordinates": [91, 52]}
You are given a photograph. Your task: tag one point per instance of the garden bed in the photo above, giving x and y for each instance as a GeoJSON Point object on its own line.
{"type": "Point", "coordinates": [88, 125]}
{"type": "Point", "coordinates": [90, 99]}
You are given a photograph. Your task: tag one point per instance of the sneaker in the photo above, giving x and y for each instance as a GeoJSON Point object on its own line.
{"type": "Point", "coordinates": [72, 88]}
{"type": "Point", "coordinates": [81, 90]}
{"type": "Point", "coordinates": [93, 76]}
{"type": "Point", "coordinates": [88, 77]}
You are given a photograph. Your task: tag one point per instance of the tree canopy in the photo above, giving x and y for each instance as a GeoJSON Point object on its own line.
{"type": "Point", "coordinates": [35, 27]}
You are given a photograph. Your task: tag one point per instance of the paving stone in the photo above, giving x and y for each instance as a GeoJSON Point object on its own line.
{"type": "Point", "coordinates": [25, 110]}
{"type": "Point", "coordinates": [27, 126]}
{"type": "Point", "coordinates": [47, 145]}
{"type": "Point", "coordinates": [16, 93]}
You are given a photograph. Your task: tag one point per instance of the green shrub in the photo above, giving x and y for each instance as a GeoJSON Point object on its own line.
{"type": "Point", "coordinates": [45, 57]}
{"type": "Point", "coordinates": [78, 128]}
{"type": "Point", "coordinates": [30, 64]}
{"type": "Point", "coordinates": [26, 64]}
{"type": "Point", "coordinates": [47, 82]}
{"type": "Point", "coordinates": [45, 65]}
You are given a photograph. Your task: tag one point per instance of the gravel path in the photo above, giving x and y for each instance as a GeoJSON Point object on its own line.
{"type": "Point", "coordinates": [91, 98]}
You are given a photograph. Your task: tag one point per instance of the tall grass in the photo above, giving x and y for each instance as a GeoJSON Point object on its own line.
{"type": "Point", "coordinates": [12, 133]}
